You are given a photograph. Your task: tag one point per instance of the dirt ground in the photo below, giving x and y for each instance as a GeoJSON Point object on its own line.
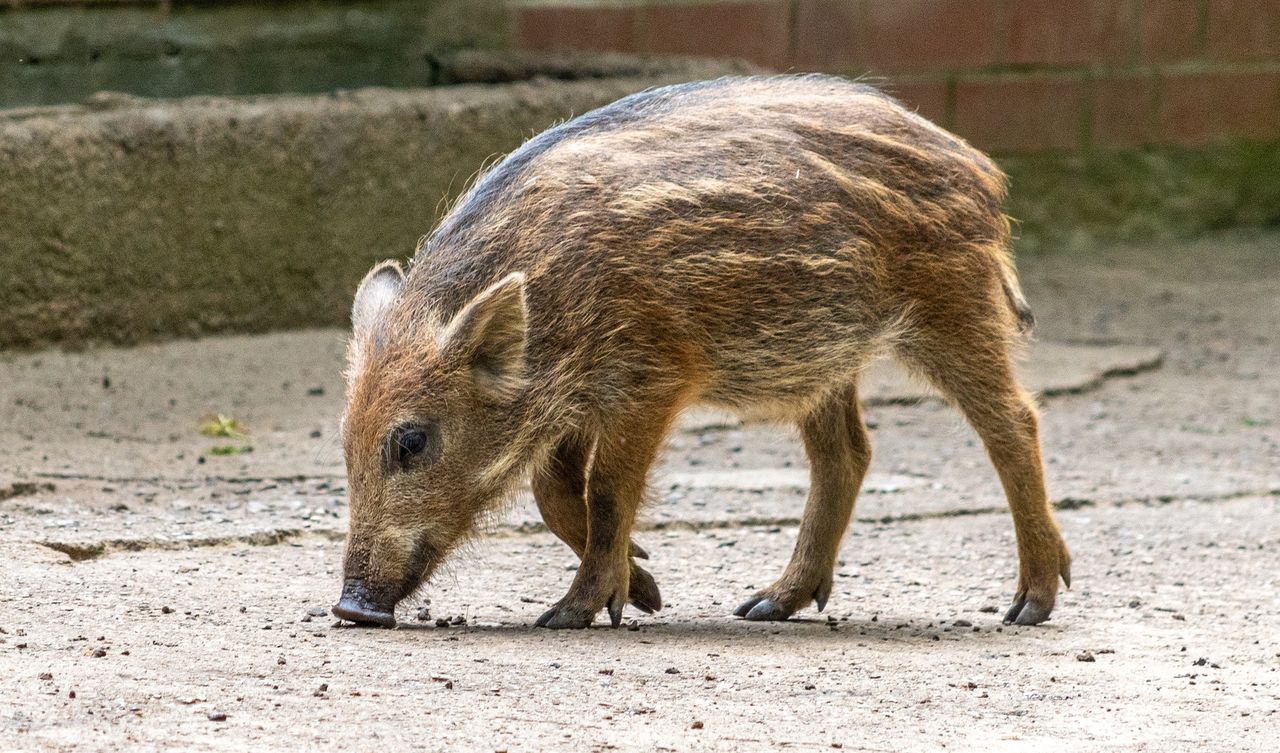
{"type": "Point", "coordinates": [157, 595]}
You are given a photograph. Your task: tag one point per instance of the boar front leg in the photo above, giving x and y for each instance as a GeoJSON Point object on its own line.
{"type": "Point", "coordinates": [615, 488]}
{"type": "Point", "coordinates": [559, 488]}
{"type": "Point", "coordinates": [839, 450]}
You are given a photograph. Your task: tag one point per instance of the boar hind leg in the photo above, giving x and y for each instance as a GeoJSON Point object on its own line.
{"type": "Point", "coordinates": [977, 373]}
{"type": "Point", "coordinates": [839, 452]}
{"type": "Point", "coordinates": [560, 491]}
{"type": "Point", "coordinates": [615, 488]}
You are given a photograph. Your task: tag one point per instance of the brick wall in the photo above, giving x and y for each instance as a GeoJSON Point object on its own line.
{"type": "Point", "coordinates": [1012, 75]}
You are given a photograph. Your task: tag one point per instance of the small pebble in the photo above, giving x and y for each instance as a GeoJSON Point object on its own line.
{"type": "Point", "coordinates": [1085, 656]}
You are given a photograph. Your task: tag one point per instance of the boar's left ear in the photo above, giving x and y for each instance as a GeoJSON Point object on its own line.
{"type": "Point", "coordinates": [377, 291]}
{"type": "Point", "coordinates": [488, 335]}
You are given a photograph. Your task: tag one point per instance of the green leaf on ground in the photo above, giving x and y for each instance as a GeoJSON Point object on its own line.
{"type": "Point", "coordinates": [218, 425]}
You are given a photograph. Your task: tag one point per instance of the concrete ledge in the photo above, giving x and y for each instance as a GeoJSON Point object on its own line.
{"type": "Point", "coordinates": [127, 219]}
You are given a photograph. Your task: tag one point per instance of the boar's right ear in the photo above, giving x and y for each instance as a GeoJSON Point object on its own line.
{"type": "Point", "coordinates": [488, 337]}
{"type": "Point", "coordinates": [373, 298]}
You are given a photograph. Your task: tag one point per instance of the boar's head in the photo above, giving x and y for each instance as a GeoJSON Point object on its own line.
{"type": "Point", "coordinates": [429, 431]}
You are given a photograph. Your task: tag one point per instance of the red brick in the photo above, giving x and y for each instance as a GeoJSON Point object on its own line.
{"type": "Point", "coordinates": [929, 98]}
{"type": "Point", "coordinates": [1168, 30]}
{"type": "Point", "coordinates": [902, 35]}
{"type": "Point", "coordinates": [1202, 108]}
{"type": "Point", "coordinates": [575, 28]}
{"type": "Point", "coordinates": [1021, 113]}
{"type": "Point", "coordinates": [1124, 111]}
{"type": "Point", "coordinates": [826, 34]}
{"type": "Point", "coordinates": [1084, 31]}
{"type": "Point", "coordinates": [1243, 30]}
{"type": "Point", "coordinates": [758, 32]}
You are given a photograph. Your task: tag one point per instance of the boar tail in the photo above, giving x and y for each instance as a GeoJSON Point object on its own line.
{"type": "Point", "coordinates": [1013, 295]}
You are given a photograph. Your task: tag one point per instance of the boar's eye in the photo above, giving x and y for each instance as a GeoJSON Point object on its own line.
{"type": "Point", "coordinates": [412, 444]}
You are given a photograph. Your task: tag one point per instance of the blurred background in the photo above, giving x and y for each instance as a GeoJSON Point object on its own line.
{"type": "Point", "coordinates": [177, 167]}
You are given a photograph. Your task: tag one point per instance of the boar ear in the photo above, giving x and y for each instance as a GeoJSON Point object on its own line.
{"type": "Point", "coordinates": [376, 292]}
{"type": "Point", "coordinates": [488, 335]}
{"type": "Point", "coordinates": [374, 296]}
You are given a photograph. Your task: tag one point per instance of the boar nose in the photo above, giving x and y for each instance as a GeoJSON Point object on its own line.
{"type": "Point", "coordinates": [358, 604]}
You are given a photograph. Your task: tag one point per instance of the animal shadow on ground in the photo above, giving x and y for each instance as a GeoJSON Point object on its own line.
{"type": "Point", "coordinates": [810, 631]}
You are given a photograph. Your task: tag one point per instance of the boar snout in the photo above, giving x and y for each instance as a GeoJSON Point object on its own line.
{"type": "Point", "coordinates": [360, 605]}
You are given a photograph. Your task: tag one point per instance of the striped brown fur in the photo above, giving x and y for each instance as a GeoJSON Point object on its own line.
{"type": "Point", "coordinates": [749, 243]}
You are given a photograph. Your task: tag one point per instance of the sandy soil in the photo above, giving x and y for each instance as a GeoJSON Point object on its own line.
{"type": "Point", "coordinates": [158, 596]}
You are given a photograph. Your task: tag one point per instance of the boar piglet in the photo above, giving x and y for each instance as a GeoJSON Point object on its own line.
{"type": "Point", "coordinates": [745, 243]}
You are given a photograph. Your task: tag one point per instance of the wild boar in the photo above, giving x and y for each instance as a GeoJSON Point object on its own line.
{"type": "Point", "coordinates": [747, 243]}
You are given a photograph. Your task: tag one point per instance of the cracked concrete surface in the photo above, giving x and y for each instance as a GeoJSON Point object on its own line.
{"type": "Point", "coordinates": [166, 585]}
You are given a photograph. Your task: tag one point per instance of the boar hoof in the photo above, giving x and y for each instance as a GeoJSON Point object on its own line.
{"type": "Point", "coordinates": [562, 617]}
{"type": "Point", "coordinates": [644, 593]}
{"type": "Point", "coordinates": [566, 614]}
{"type": "Point", "coordinates": [762, 609]}
{"type": "Point", "coordinates": [1026, 612]}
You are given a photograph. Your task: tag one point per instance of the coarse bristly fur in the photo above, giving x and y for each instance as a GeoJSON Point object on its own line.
{"type": "Point", "coordinates": [749, 243]}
